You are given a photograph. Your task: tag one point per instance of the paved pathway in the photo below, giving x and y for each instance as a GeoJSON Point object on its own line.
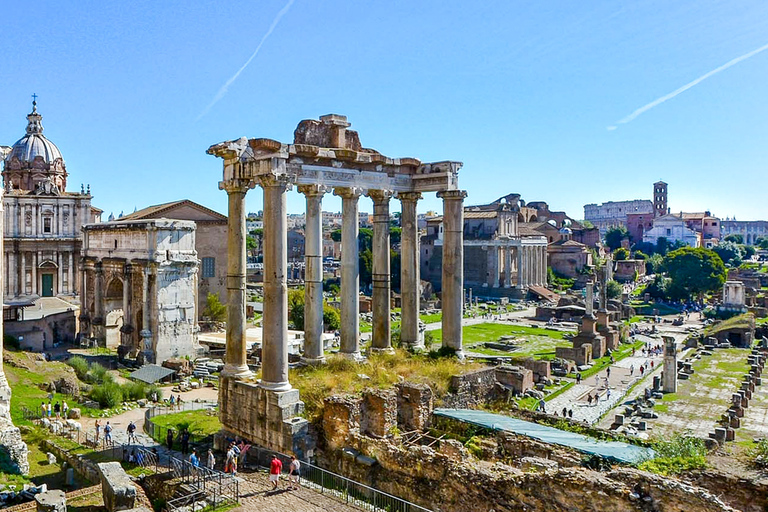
{"type": "Point", "coordinates": [256, 494]}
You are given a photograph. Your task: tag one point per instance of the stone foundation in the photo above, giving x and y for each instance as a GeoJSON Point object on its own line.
{"type": "Point", "coordinates": [263, 417]}
{"type": "Point", "coordinates": [541, 369]}
{"type": "Point", "coordinates": [10, 435]}
{"type": "Point", "coordinates": [517, 379]}
{"type": "Point", "coordinates": [580, 355]}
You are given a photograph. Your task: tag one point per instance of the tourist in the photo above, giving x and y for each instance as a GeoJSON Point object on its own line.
{"type": "Point", "coordinates": [65, 409]}
{"type": "Point", "coordinates": [651, 365]}
{"type": "Point", "coordinates": [132, 457]}
{"type": "Point", "coordinates": [49, 409]}
{"type": "Point", "coordinates": [275, 468]}
{"type": "Point", "coordinates": [98, 430]}
{"type": "Point", "coordinates": [608, 395]}
{"type": "Point", "coordinates": [173, 401]}
{"type": "Point", "coordinates": [179, 401]}
{"type": "Point", "coordinates": [132, 433]}
{"type": "Point", "coordinates": [589, 400]}
{"type": "Point", "coordinates": [608, 373]}
{"type": "Point", "coordinates": [43, 410]}
{"type": "Point", "coordinates": [578, 378]}
{"type": "Point", "coordinates": [631, 369]}
{"type": "Point", "coordinates": [211, 460]}
{"type": "Point", "coordinates": [184, 441]}
{"type": "Point", "coordinates": [193, 459]}
{"type": "Point", "coordinates": [169, 439]}
{"type": "Point", "coordinates": [565, 412]}
{"type": "Point", "coordinates": [108, 434]}
{"type": "Point", "coordinates": [230, 458]}
{"type": "Point", "coordinates": [294, 473]}
{"type": "Point", "coordinates": [570, 413]}
{"type": "Point", "coordinates": [57, 410]}
{"type": "Point", "coordinates": [243, 447]}
{"type": "Point", "coordinates": [642, 370]}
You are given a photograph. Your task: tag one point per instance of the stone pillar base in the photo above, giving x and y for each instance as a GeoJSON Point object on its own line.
{"type": "Point", "coordinates": [385, 350]}
{"type": "Point", "coordinates": [354, 356]}
{"type": "Point", "coordinates": [241, 372]}
{"type": "Point", "coordinates": [313, 361]}
{"type": "Point", "coordinates": [265, 417]}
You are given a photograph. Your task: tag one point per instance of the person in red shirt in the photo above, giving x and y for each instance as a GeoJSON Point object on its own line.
{"type": "Point", "coordinates": [275, 468]}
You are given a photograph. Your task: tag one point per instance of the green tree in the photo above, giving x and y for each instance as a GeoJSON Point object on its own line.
{"type": "Point", "coordinates": [366, 267]}
{"type": "Point", "coordinates": [640, 255]}
{"type": "Point", "coordinates": [395, 234]}
{"type": "Point", "coordinates": [620, 254]}
{"type": "Point", "coordinates": [394, 270]}
{"type": "Point", "coordinates": [748, 251]}
{"type": "Point", "coordinates": [296, 308]}
{"type": "Point", "coordinates": [331, 318]}
{"type": "Point", "coordinates": [730, 253]}
{"type": "Point", "coordinates": [662, 245]}
{"type": "Point", "coordinates": [654, 264]}
{"type": "Point", "coordinates": [613, 289]}
{"type": "Point", "coordinates": [214, 310]}
{"type": "Point", "coordinates": [735, 238]}
{"type": "Point", "coordinates": [658, 287]}
{"type": "Point", "coordinates": [586, 224]}
{"type": "Point", "coordinates": [694, 272]}
{"type": "Point", "coordinates": [365, 239]}
{"type": "Point", "coordinates": [614, 236]}
{"type": "Point", "coordinates": [762, 243]}
{"type": "Point", "coordinates": [336, 235]}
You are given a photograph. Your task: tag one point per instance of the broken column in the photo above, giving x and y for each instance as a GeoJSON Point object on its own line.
{"type": "Point", "coordinates": [117, 488]}
{"type": "Point", "coordinates": [410, 284]}
{"type": "Point", "coordinates": [669, 384]}
{"type": "Point", "coordinates": [51, 501]}
{"type": "Point", "coordinates": [453, 267]}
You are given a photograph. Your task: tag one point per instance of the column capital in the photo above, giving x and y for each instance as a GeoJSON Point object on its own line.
{"type": "Point", "coordinates": [274, 180]}
{"type": "Point", "coordinates": [235, 186]}
{"type": "Point", "coordinates": [348, 192]}
{"type": "Point", "coordinates": [452, 195]}
{"type": "Point", "coordinates": [409, 196]}
{"type": "Point", "coordinates": [380, 196]}
{"type": "Point", "coordinates": [314, 190]}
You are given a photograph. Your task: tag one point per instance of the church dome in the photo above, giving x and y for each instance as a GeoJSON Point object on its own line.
{"type": "Point", "coordinates": [34, 159]}
{"type": "Point", "coordinates": [34, 143]}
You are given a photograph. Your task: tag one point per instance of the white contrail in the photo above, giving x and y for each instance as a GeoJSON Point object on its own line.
{"type": "Point", "coordinates": [687, 86]}
{"type": "Point", "coordinates": [224, 88]}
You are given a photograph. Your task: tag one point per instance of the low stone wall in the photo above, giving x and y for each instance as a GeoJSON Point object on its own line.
{"type": "Point", "coordinates": [82, 466]}
{"type": "Point", "coordinates": [471, 389]}
{"type": "Point", "coordinates": [541, 369]}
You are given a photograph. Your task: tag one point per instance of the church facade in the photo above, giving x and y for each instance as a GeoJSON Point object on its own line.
{"type": "Point", "coordinates": [42, 220]}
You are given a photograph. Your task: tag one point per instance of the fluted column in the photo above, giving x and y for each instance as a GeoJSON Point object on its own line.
{"type": "Point", "coordinates": [236, 357]}
{"type": "Point", "coordinates": [313, 275]}
{"type": "Point", "coordinates": [382, 328]}
{"type": "Point", "coordinates": [410, 284]}
{"type": "Point", "coordinates": [274, 347]}
{"type": "Point", "coordinates": [350, 272]}
{"type": "Point", "coordinates": [127, 329]}
{"type": "Point", "coordinates": [453, 267]}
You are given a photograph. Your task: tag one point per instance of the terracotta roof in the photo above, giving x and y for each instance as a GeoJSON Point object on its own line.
{"type": "Point", "coordinates": [527, 231]}
{"type": "Point", "coordinates": [568, 243]}
{"type": "Point", "coordinates": [158, 209]}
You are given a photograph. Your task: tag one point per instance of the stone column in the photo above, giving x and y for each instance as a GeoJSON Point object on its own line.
{"type": "Point", "coordinates": [350, 273]}
{"type": "Point", "coordinates": [71, 275]}
{"type": "Point", "coordinates": [410, 283]}
{"type": "Point", "coordinates": [382, 328]}
{"type": "Point", "coordinates": [313, 276]}
{"type": "Point", "coordinates": [507, 266]}
{"type": "Point", "coordinates": [98, 320]}
{"type": "Point", "coordinates": [453, 267]}
{"type": "Point", "coordinates": [128, 327]}
{"type": "Point", "coordinates": [236, 358]}
{"type": "Point", "coordinates": [23, 283]}
{"type": "Point", "coordinates": [35, 262]}
{"type": "Point", "coordinates": [274, 347]}
{"type": "Point", "coordinates": [669, 381]}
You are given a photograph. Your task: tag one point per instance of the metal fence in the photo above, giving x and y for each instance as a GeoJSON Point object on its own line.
{"type": "Point", "coordinates": [340, 487]}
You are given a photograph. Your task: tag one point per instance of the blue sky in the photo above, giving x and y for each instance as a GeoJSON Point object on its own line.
{"type": "Point", "coordinates": [523, 92]}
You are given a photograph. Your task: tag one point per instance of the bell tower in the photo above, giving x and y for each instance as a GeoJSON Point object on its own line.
{"type": "Point", "coordinates": [659, 199]}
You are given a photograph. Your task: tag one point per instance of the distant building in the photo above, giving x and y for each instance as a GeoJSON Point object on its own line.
{"type": "Point", "coordinates": [502, 256]}
{"type": "Point", "coordinates": [751, 230]}
{"type": "Point", "coordinates": [674, 229]}
{"type": "Point", "coordinates": [614, 213]}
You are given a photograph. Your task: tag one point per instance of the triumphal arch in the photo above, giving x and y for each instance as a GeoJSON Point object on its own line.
{"type": "Point", "coordinates": [325, 157]}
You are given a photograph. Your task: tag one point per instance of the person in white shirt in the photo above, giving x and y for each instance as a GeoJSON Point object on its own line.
{"type": "Point", "coordinates": [294, 473]}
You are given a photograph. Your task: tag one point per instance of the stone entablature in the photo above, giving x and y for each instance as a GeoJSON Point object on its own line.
{"type": "Point", "coordinates": [144, 275]}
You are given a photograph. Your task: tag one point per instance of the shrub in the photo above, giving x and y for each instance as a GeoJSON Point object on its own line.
{"type": "Point", "coordinates": [134, 390]}
{"type": "Point", "coordinates": [11, 342]}
{"type": "Point", "coordinates": [80, 365]}
{"type": "Point", "coordinates": [759, 454]}
{"type": "Point", "coordinates": [150, 389]}
{"type": "Point", "coordinates": [98, 374]}
{"type": "Point", "coordinates": [108, 395]}
{"type": "Point", "coordinates": [680, 453]}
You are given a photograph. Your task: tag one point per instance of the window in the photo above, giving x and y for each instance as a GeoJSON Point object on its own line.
{"type": "Point", "coordinates": [669, 231]}
{"type": "Point", "coordinates": [209, 267]}
{"type": "Point", "coordinates": [46, 225]}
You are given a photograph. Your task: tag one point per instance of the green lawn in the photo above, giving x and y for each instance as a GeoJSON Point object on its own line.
{"type": "Point", "coordinates": [432, 318]}
{"type": "Point", "coordinates": [646, 308]}
{"type": "Point", "coordinates": [535, 342]}
{"type": "Point", "coordinates": [201, 423]}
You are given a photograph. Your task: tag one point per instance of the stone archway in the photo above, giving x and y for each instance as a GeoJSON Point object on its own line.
{"type": "Point", "coordinates": [113, 307]}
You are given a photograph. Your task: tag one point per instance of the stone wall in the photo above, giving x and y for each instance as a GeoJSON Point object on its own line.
{"type": "Point", "coordinates": [515, 378]}
{"type": "Point", "coordinates": [541, 369]}
{"type": "Point", "coordinates": [471, 389]}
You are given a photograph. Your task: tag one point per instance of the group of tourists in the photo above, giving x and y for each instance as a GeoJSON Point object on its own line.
{"type": "Point", "coordinates": [107, 433]}
{"type": "Point", "coordinates": [276, 470]}
{"type": "Point", "coordinates": [60, 410]}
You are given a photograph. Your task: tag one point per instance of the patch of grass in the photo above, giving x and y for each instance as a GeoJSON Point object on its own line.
{"type": "Point", "coordinates": [202, 422]}
{"type": "Point", "coordinates": [431, 318]}
{"type": "Point", "coordinates": [681, 452]}
{"type": "Point", "coordinates": [737, 322]}
{"type": "Point", "coordinates": [758, 455]}
{"type": "Point", "coordinates": [535, 342]}
{"type": "Point", "coordinates": [341, 375]}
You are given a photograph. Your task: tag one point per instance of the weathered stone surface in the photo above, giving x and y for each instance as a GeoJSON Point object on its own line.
{"type": "Point", "coordinates": [51, 501]}
{"type": "Point", "coordinates": [378, 416]}
{"type": "Point", "coordinates": [117, 488]}
{"type": "Point", "coordinates": [414, 406]}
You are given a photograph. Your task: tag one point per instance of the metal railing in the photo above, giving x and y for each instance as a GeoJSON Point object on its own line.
{"type": "Point", "coordinates": [342, 488]}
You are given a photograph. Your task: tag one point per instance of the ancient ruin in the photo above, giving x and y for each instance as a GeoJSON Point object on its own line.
{"type": "Point", "coordinates": [140, 292]}
{"type": "Point", "coordinates": [325, 156]}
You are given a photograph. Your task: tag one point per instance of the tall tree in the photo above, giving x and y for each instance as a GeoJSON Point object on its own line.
{"type": "Point", "coordinates": [614, 236]}
{"type": "Point", "coordinates": [694, 272]}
